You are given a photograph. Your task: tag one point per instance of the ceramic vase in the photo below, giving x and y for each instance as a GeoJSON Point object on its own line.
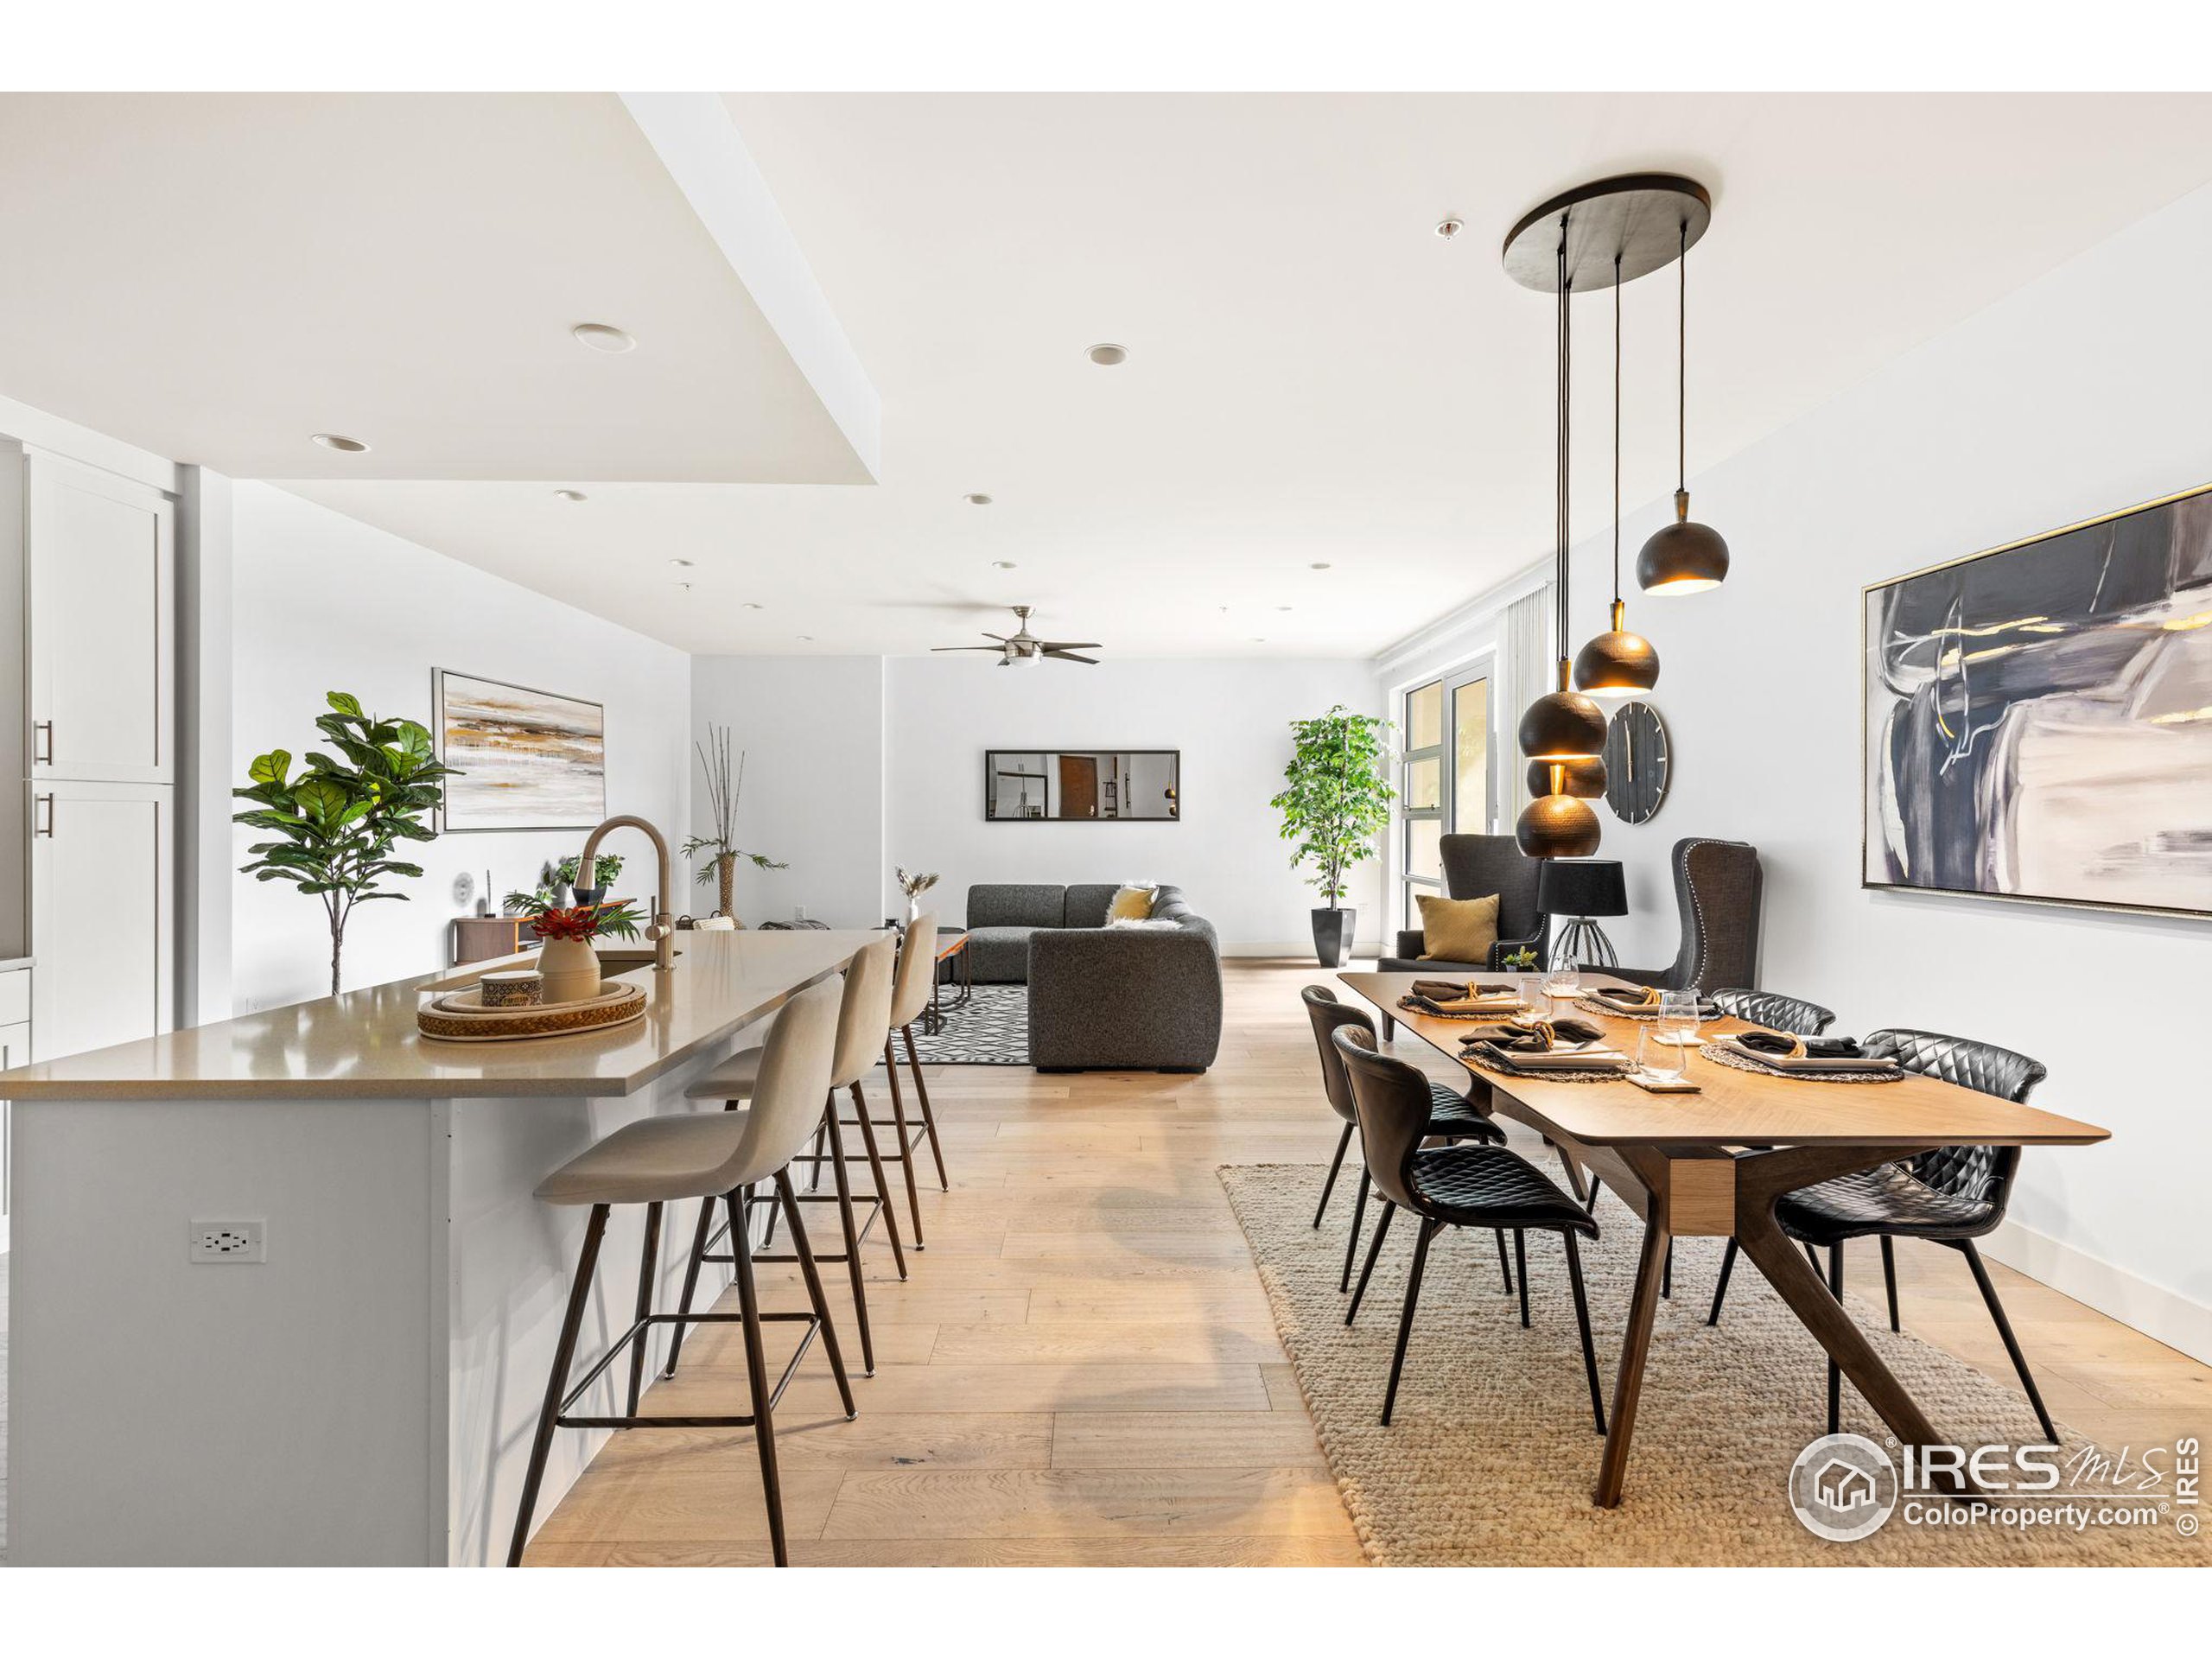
{"type": "Point", "coordinates": [571, 970]}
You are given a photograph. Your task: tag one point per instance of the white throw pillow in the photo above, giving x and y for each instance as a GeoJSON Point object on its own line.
{"type": "Point", "coordinates": [1162, 923]}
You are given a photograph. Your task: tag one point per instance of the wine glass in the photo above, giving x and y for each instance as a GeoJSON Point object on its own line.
{"type": "Point", "coordinates": [1677, 1021]}
{"type": "Point", "coordinates": [1562, 980]}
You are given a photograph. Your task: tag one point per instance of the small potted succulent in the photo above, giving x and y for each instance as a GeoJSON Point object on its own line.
{"type": "Point", "coordinates": [566, 957]}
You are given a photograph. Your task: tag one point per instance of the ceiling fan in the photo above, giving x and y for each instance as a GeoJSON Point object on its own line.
{"type": "Point", "coordinates": [1022, 649]}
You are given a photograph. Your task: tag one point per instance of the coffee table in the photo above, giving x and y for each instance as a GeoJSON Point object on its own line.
{"type": "Point", "coordinates": [951, 950]}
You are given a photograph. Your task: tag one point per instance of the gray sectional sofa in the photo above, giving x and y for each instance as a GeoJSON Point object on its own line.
{"type": "Point", "coordinates": [1101, 998]}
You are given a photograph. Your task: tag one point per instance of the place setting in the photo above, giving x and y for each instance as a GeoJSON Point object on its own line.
{"type": "Point", "coordinates": [1817, 1059]}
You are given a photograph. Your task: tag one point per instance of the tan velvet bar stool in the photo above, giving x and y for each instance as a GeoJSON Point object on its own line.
{"type": "Point", "coordinates": [910, 995]}
{"type": "Point", "coordinates": [710, 1156]}
{"type": "Point", "coordinates": [863, 1016]}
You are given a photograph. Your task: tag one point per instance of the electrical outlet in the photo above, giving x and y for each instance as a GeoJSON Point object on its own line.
{"type": "Point", "coordinates": [229, 1241]}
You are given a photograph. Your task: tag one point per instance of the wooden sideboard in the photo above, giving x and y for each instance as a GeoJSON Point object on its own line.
{"type": "Point", "coordinates": [478, 939]}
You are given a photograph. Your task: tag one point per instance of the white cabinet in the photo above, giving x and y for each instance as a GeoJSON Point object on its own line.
{"type": "Point", "coordinates": [102, 558]}
{"type": "Point", "coordinates": [103, 903]}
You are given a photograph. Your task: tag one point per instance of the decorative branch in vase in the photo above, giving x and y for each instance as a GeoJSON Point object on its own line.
{"type": "Point", "coordinates": [725, 786]}
{"type": "Point", "coordinates": [914, 886]}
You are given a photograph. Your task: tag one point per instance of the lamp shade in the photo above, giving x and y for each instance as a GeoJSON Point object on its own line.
{"type": "Point", "coordinates": [1557, 826]}
{"type": "Point", "coordinates": [1682, 557]}
{"type": "Point", "coordinates": [1563, 726]}
{"type": "Point", "coordinates": [1591, 886]}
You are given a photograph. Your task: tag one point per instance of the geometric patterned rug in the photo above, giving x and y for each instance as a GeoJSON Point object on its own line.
{"type": "Point", "coordinates": [1491, 1454]}
{"type": "Point", "coordinates": [992, 1030]}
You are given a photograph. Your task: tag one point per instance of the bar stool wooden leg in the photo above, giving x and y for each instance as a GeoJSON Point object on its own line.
{"type": "Point", "coordinates": [648, 1261]}
{"type": "Point", "coordinates": [835, 1159]}
{"type": "Point", "coordinates": [882, 1181]}
{"type": "Point", "coordinates": [756, 1372]}
{"type": "Point", "coordinates": [906, 1151]}
{"type": "Point", "coordinates": [565, 1354]}
{"type": "Point", "coordinates": [813, 1276]}
{"type": "Point", "coordinates": [929, 1118]}
{"type": "Point", "coordinates": [690, 1283]}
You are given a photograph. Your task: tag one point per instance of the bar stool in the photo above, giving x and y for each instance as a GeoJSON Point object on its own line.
{"type": "Point", "coordinates": [659, 1160]}
{"type": "Point", "coordinates": [863, 1017]}
{"type": "Point", "coordinates": [910, 995]}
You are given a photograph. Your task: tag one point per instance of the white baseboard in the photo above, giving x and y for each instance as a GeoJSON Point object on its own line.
{"type": "Point", "coordinates": [2165, 1315]}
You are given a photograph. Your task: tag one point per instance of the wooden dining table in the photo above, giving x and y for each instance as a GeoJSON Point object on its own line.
{"type": "Point", "coordinates": [1713, 1165]}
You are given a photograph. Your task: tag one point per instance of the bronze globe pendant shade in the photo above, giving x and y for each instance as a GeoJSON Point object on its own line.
{"type": "Point", "coordinates": [1682, 557]}
{"type": "Point", "coordinates": [1616, 664]}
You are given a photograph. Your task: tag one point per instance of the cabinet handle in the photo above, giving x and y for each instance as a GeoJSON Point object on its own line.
{"type": "Point", "coordinates": [42, 742]}
{"type": "Point", "coordinates": [44, 826]}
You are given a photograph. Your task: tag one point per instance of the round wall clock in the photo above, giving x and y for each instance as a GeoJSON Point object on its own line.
{"type": "Point", "coordinates": [1636, 763]}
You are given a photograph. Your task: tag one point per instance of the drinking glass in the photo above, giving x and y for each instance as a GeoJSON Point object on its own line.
{"type": "Point", "coordinates": [1657, 1055]}
{"type": "Point", "coordinates": [1563, 979]}
{"type": "Point", "coordinates": [1677, 1021]}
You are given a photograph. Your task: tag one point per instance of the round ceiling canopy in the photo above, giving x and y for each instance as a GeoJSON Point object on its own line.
{"type": "Point", "coordinates": [1642, 217]}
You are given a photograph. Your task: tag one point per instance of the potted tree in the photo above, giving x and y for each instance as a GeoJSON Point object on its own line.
{"type": "Point", "coordinates": [1336, 803]}
{"type": "Point", "coordinates": [337, 823]}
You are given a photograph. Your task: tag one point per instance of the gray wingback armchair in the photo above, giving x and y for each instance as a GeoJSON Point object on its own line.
{"type": "Point", "coordinates": [1717, 887]}
{"type": "Point", "coordinates": [1474, 868]}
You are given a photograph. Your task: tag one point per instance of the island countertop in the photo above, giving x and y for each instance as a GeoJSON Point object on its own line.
{"type": "Point", "coordinates": [363, 1044]}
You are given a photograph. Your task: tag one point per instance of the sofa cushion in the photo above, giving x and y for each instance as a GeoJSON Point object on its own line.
{"type": "Point", "coordinates": [1005, 904]}
{"type": "Point", "coordinates": [1132, 901]}
{"type": "Point", "coordinates": [998, 956]}
{"type": "Point", "coordinates": [1168, 901]}
{"type": "Point", "coordinates": [1089, 902]}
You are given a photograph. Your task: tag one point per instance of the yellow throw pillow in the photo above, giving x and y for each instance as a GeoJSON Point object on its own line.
{"type": "Point", "coordinates": [1457, 930]}
{"type": "Point", "coordinates": [1130, 905]}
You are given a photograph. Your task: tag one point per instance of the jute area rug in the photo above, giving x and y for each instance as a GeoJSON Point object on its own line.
{"type": "Point", "coordinates": [1492, 1452]}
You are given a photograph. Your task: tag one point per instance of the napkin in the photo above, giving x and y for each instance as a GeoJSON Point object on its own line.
{"type": "Point", "coordinates": [1454, 991]}
{"type": "Point", "coordinates": [1535, 1036]}
{"type": "Point", "coordinates": [1628, 996]}
{"type": "Point", "coordinates": [1782, 1046]}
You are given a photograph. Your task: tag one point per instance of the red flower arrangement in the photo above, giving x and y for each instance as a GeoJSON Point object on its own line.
{"type": "Point", "coordinates": [584, 923]}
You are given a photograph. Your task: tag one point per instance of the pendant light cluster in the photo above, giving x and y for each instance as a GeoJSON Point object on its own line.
{"type": "Point", "coordinates": [1603, 234]}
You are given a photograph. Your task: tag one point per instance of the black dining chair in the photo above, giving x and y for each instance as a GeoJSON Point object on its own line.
{"type": "Point", "coordinates": [1467, 1185]}
{"type": "Point", "coordinates": [1451, 1114]}
{"type": "Point", "coordinates": [1952, 1195]}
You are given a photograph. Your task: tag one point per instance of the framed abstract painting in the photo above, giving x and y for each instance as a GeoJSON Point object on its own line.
{"type": "Point", "coordinates": [2038, 718]}
{"type": "Point", "coordinates": [528, 759]}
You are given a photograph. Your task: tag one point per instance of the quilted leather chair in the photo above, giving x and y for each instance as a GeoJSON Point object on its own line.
{"type": "Point", "coordinates": [1466, 1185]}
{"type": "Point", "coordinates": [1474, 868]}
{"type": "Point", "coordinates": [1775, 1011]}
{"type": "Point", "coordinates": [1952, 1195]}
{"type": "Point", "coordinates": [1453, 1113]}
{"type": "Point", "coordinates": [1717, 889]}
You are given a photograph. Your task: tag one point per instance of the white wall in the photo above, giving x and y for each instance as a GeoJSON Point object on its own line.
{"type": "Point", "coordinates": [859, 763]}
{"type": "Point", "coordinates": [2083, 393]}
{"type": "Point", "coordinates": [812, 729]}
{"type": "Point", "coordinates": [1230, 719]}
{"type": "Point", "coordinates": [324, 602]}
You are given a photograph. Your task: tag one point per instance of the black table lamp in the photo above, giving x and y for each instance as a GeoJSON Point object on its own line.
{"type": "Point", "coordinates": [1580, 888]}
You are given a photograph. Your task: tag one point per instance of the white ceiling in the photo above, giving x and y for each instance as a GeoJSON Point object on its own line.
{"type": "Point", "coordinates": [1315, 376]}
{"type": "Point", "coordinates": [215, 277]}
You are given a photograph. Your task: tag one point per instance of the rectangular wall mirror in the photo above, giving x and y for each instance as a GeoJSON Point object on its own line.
{"type": "Point", "coordinates": [1096, 786]}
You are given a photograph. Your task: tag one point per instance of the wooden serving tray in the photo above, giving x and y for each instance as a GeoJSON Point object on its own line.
{"type": "Point", "coordinates": [462, 1017]}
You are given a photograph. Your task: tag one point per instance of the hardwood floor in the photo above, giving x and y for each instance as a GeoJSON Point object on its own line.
{"type": "Point", "coordinates": [1082, 1368]}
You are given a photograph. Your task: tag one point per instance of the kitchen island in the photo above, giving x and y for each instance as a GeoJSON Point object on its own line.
{"type": "Point", "coordinates": [364, 1395]}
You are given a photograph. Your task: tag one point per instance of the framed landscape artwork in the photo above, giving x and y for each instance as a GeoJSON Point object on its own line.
{"type": "Point", "coordinates": [528, 759]}
{"type": "Point", "coordinates": [2038, 718]}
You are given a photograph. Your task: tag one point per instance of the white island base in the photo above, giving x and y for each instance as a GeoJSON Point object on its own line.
{"type": "Point", "coordinates": [366, 1395]}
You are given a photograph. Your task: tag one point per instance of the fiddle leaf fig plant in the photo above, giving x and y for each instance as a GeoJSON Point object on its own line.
{"type": "Point", "coordinates": [1337, 801]}
{"type": "Point", "coordinates": [335, 823]}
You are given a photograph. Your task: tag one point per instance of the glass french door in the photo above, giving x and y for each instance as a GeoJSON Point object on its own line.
{"type": "Point", "coordinates": [1446, 785]}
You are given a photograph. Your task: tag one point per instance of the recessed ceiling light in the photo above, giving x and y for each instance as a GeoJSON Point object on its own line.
{"type": "Point", "coordinates": [569, 495]}
{"type": "Point", "coordinates": [1106, 354]}
{"type": "Point", "coordinates": [680, 564]}
{"type": "Point", "coordinates": [339, 442]}
{"type": "Point", "coordinates": [602, 337]}
{"type": "Point", "coordinates": [808, 637]}
{"type": "Point", "coordinates": [685, 586]}
{"type": "Point", "coordinates": [749, 606]}
{"type": "Point", "coordinates": [1318, 564]}
{"type": "Point", "coordinates": [1259, 639]}
{"type": "Point", "coordinates": [1001, 564]}
{"type": "Point", "coordinates": [976, 499]}
{"type": "Point", "coordinates": [1282, 607]}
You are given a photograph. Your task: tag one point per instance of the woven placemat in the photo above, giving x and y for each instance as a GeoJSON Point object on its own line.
{"type": "Point", "coordinates": [1599, 1005]}
{"type": "Point", "coordinates": [1729, 1056]}
{"type": "Point", "coordinates": [1501, 1013]}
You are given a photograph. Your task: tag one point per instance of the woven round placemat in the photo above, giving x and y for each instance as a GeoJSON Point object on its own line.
{"type": "Point", "coordinates": [510, 1025]}
{"type": "Point", "coordinates": [1729, 1056]}
{"type": "Point", "coordinates": [1599, 1005]}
